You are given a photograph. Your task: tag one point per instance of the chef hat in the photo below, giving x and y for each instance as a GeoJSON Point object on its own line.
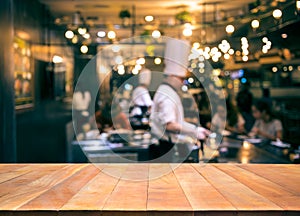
{"type": "Point", "coordinates": [145, 76]}
{"type": "Point", "coordinates": [176, 57]}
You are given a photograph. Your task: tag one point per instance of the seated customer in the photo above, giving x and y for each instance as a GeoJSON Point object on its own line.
{"type": "Point", "coordinates": [234, 120]}
{"type": "Point", "coordinates": [265, 126]}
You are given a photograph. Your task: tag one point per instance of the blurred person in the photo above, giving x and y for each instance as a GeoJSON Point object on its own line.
{"type": "Point", "coordinates": [167, 113]}
{"type": "Point", "coordinates": [81, 103]}
{"type": "Point", "coordinates": [266, 125]}
{"type": "Point", "coordinates": [266, 96]}
{"type": "Point", "coordinates": [111, 117]}
{"type": "Point", "coordinates": [141, 98]}
{"type": "Point", "coordinates": [244, 100]}
{"type": "Point", "coordinates": [234, 120]}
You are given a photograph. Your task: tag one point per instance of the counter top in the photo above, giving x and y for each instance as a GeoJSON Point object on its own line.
{"type": "Point", "coordinates": [188, 189]}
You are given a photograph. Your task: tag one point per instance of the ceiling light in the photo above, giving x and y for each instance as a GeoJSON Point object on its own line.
{"type": "Point", "coordinates": [265, 39]}
{"type": "Point", "coordinates": [187, 32]}
{"type": "Point", "coordinates": [75, 39]}
{"type": "Point", "coordinates": [274, 69]}
{"type": "Point", "coordinates": [141, 61]}
{"type": "Point", "coordinates": [196, 45]}
{"type": "Point", "coordinates": [255, 24]}
{"type": "Point", "coordinates": [156, 34]}
{"type": "Point", "coordinates": [84, 49]}
{"type": "Point", "coordinates": [135, 71]}
{"type": "Point", "coordinates": [284, 36]}
{"type": "Point", "coordinates": [245, 58]}
{"type": "Point", "coordinates": [57, 59]}
{"type": "Point", "coordinates": [191, 80]}
{"type": "Point", "coordinates": [231, 52]}
{"type": "Point", "coordinates": [149, 18]}
{"type": "Point", "coordinates": [69, 34]}
{"type": "Point", "coordinates": [277, 13]}
{"type": "Point", "coordinates": [82, 31]}
{"type": "Point", "coordinates": [101, 34]}
{"type": "Point", "coordinates": [86, 35]}
{"type": "Point", "coordinates": [111, 35]}
{"type": "Point", "coordinates": [157, 61]}
{"type": "Point", "coordinates": [229, 29]}
{"type": "Point", "coordinates": [226, 56]}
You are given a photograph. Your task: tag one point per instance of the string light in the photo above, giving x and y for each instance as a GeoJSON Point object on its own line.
{"type": "Point", "coordinates": [229, 29]}
{"type": "Point", "coordinates": [84, 49]}
{"type": "Point", "coordinates": [69, 34]}
{"type": "Point", "coordinates": [277, 13]}
{"type": "Point", "coordinates": [255, 24]}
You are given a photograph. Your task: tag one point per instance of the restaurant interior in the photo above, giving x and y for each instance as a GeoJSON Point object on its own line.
{"type": "Point", "coordinates": [48, 46]}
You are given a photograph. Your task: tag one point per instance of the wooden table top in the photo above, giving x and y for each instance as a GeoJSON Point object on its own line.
{"type": "Point", "coordinates": [112, 189]}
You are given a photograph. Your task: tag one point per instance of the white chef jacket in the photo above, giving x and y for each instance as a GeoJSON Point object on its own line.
{"type": "Point", "coordinates": [81, 100]}
{"type": "Point", "coordinates": [167, 107]}
{"type": "Point", "coordinates": [140, 97]}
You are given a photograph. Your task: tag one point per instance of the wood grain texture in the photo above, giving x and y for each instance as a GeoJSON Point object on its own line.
{"type": "Point", "coordinates": [264, 187]}
{"type": "Point", "coordinates": [149, 189]}
{"type": "Point", "coordinates": [241, 197]}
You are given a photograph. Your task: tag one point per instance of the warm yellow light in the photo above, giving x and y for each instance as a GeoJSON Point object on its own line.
{"type": "Point", "coordinates": [277, 13]}
{"type": "Point", "coordinates": [141, 61]}
{"type": "Point", "coordinates": [187, 32]}
{"type": "Point", "coordinates": [86, 35]}
{"type": "Point", "coordinates": [274, 69]}
{"type": "Point", "coordinates": [156, 34]}
{"type": "Point", "coordinates": [135, 71]}
{"type": "Point", "coordinates": [57, 59]}
{"type": "Point", "coordinates": [149, 18]}
{"type": "Point", "coordinates": [69, 34]}
{"type": "Point", "coordinates": [245, 58]}
{"type": "Point", "coordinates": [265, 39]}
{"type": "Point", "coordinates": [101, 34]}
{"type": "Point", "coordinates": [231, 51]}
{"type": "Point", "coordinates": [229, 29]}
{"type": "Point", "coordinates": [196, 45]}
{"type": "Point", "coordinates": [138, 67]}
{"type": "Point", "coordinates": [84, 49]}
{"type": "Point", "coordinates": [226, 56]}
{"type": "Point", "coordinates": [255, 24]}
{"type": "Point", "coordinates": [157, 61]}
{"type": "Point", "coordinates": [75, 39]}
{"type": "Point", "coordinates": [298, 5]}
{"type": "Point", "coordinates": [111, 35]}
{"type": "Point", "coordinates": [82, 31]}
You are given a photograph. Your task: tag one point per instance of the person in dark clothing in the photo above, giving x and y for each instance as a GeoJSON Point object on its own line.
{"type": "Point", "coordinates": [244, 101]}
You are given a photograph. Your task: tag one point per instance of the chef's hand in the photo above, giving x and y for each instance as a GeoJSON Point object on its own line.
{"type": "Point", "coordinates": [202, 133]}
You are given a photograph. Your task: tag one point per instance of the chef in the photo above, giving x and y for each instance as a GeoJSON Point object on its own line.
{"type": "Point", "coordinates": [167, 114]}
{"type": "Point", "coordinates": [140, 96]}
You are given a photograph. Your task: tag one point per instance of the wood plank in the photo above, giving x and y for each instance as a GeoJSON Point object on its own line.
{"type": "Point", "coordinates": [200, 193]}
{"type": "Point", "coordinates": [13, 172]}
{"type": "Point", "coordinates": [241, 197]}
{"type": "Point", "coordinates": [130, 193]}
{"type": "Point", "coordinates": [20, 190]}
{"type": "Point", "coordinates": [57, 196]}
{"type": "Point", "coordinates": [274, 192]}
{"type": "Point", "coordinates": [94, 194]}
{"type": "Point", "coordinates": [165, 192]}
{"type": "Point", "coordinates": [5, 168]}
{"type": "Point", "coordinates": [288, 177]}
